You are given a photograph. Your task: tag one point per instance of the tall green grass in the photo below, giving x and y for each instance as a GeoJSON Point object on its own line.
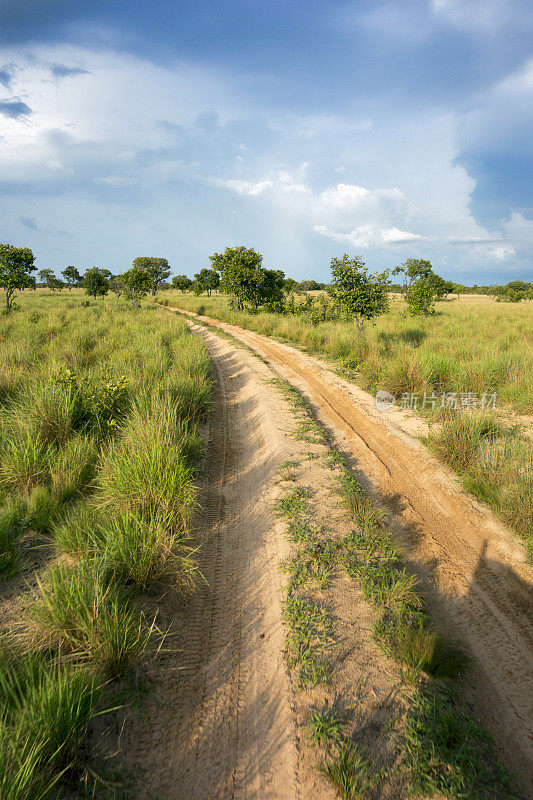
{"type": "Point", "coordinates": [467, 347]}
{"type": "Point", "coordinates": [100, 408]}
{"type": "Point", "coordinates": [495, 463]}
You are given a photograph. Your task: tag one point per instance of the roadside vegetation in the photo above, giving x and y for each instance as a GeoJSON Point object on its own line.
{"type": "Point", "coordinates": [430, 353]}
{"type": "Point", "coordinates": [99, 450]}
{"type": "Point", "coordinates": [438, 749]}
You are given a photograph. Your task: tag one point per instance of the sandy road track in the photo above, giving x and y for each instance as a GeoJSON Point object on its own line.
{"type": "Point", "coordinates": [219, 722]}
{"type": "Point", "coordinates": [478, 583]}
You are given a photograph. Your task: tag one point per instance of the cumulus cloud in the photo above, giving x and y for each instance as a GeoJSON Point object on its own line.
{"type": "Point", "coordinates": [243, 187]}
{"type": "Point", "coordinates": [200, 134]}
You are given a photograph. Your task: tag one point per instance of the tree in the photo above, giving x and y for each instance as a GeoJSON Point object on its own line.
{"type": "Point", "coordinates": [244, 277]}
{"type": "Point", "coordinates": [208, 280]}
{"type": "Point", "coordinates": [158, 269]}
{"type": "Point", "coordinates": [95, 282]}
{"type": "Point", "coordinates": [137, 282]}
{"type": "Point", "coordinates": [420, 296]}
{"type": "Point", "coordinates": [290, 285]}
{"type": "Point", "coordinates": [414, 269]}
{"type": "Point", "coordinates": [72, 276]}
{"type": "Point", "coordinates": [181, 282]}
{"type": "Point", "coordinates": [46, 276]}
{"type": "Point", "coordinates": [360, 294]}
{"type": "Point", "coordinates": [16, 264]}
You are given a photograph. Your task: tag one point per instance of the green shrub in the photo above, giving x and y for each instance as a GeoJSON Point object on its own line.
{"type": "Point", "coordinates": [149, 469]}
{"type": "Point", "coordinates": [144, 551]}
{"type": "Point", "coordinates": [82, 611]}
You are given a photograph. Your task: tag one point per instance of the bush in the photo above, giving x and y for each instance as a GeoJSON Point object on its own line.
{"type": "Point", "coordinates": [149, 470]}
{"type": "Point", "coordinates": [144, 551]}
{"type": "Point", "coordinates": [81, 611]}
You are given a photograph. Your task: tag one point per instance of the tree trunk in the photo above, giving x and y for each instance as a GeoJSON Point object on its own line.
{"type": "Point", "coordinates": [359, 324]}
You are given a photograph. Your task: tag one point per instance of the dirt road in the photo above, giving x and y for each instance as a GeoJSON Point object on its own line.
{"type": "Point", "coordinates": [475, 574]}
{"type": "Point", "coordinates": [220, 724]}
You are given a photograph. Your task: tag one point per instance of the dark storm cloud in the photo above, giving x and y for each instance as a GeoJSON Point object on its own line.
{"type": "Point", "coordinates": [14, 109]}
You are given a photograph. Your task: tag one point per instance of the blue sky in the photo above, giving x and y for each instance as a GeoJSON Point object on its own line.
{"type": "Point", "coordinates": [304, 129]}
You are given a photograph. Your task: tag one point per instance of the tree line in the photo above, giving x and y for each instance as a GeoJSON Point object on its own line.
{"type": "Point", "coordinates": [353, 293]}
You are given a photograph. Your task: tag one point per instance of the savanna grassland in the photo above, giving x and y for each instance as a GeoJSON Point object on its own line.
{"type": "Point", "coordinates": [471, 345]}
{"type": "Point", "coordinates": [99, 451]}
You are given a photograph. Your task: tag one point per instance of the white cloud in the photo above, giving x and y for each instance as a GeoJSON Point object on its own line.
{"type": "Point", "coordinates": [401, 184]}
{"type": "Point", "coordinates": [482, 17]}
{"type": "Point", "coordinates": [367, 236]}
{"type": "Point", "coordinates": [243, 187]}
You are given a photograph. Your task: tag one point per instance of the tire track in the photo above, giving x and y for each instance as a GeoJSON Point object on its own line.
{"type": "Point", "coordinates": [220, 724]}
{"type": "Point", "coordinates": [478, 584]}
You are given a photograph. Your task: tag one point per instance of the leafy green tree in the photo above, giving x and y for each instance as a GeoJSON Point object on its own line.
{"type": "Point", "coordinates": [290, 285]}
{"type": "Point", "coordinates": [357, 292]}
{"type": "Point", "coordinates": [414, 269]}
{"type": "Point", "coordinates": [439, 286]}
{"type": "Point", "coordinates": [208, 280]}
{"type": "Point", "coordinates": [46, 276]}
{"type": "Point", "coordinates": [95, 282]}
{"type": "Point", "coordinates": [420, 298]}
{"type": "Point", "coordinates": [158, 269]}
{"type": "Point", "coordinates": [71, 276]}
{"type": "Point", "coordinates": [244, 277]}
{"type": "Point", "coordinates": [16, 266]}
{"type": "Point", "coordinates": [116, 284]}
{"type": "Point", "coordinates": [181, 282]}
{"type": "Point", "coordinates": [137, 282]}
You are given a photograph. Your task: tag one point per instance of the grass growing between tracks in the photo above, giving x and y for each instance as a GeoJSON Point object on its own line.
{"type": "Point", "coordinates": [99, 448]}
{"type": "Point", "coordinates": [444, 751]}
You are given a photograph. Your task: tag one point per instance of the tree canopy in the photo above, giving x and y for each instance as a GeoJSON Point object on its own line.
{"type": "Point", "coordinates": [95, 282]}
{"type": "Point", "coordinates": [137, 281]}
{"type": "Point", "coordinates": [71, 276]}
{"type": "Point", "coordinates": [244, 277]}
{"type": "Point", "coordinates": [360, 294]}
{"type": "Point", "coordinates": [181, 282]}
{"type": "Point", "coordinates": [16, 266]}
{"type": "Point", "coordinates": [157, 268]}
{"type": "Point", "coordinates": [207, 280]}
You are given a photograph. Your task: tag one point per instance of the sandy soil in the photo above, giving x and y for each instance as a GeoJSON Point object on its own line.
{"type": "Point", "coordinates": [475, 573]}
{"type": "Point", "coordinates": [224, 717]}
{"type": "Point", "coordinates": [219, 723]}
